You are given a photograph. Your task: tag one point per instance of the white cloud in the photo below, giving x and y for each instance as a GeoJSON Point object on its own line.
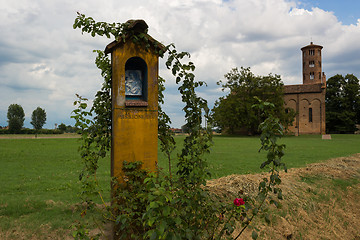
{"type": "Point", "coordinates": [299, 12]}
{"type": "Point", "coordinates": [44, 62]}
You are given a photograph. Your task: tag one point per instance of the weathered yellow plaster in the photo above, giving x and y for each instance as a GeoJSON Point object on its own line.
{"type": "Point", "coordinates": [134, 129]}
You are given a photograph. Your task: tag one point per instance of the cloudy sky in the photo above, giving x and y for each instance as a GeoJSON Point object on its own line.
{"type": "Point", "coordinates": [45, 62]}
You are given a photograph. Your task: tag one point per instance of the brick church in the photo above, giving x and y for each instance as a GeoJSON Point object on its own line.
{"type": "Point", "coordinates": [308, 99]}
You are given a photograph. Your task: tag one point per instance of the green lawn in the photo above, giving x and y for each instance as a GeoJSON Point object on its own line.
{"type": "Point", "coordinates": [39, 177]}
{"type": "Point", "coordinates": [239, 155]}
{"type": "Point", "coordinates": [39, 182]}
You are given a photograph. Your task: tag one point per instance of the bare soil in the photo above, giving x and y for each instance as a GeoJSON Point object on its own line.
{"type": "Point", "coordinates": [321, 201]}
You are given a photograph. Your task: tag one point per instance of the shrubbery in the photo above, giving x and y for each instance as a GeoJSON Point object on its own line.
{"type": "Point", "coordinates": [164, 206]}
{"type": "Point", "coordinates": [67, 129]}
{"type": "Point", "coordinates": [33, 131]}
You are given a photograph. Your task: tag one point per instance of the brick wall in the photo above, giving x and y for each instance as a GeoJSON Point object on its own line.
{"type": "Point", "coordinates": [309, 103]}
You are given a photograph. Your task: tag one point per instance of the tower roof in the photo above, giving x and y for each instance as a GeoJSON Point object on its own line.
{"type": "Point", "coordinates": [311, 45]}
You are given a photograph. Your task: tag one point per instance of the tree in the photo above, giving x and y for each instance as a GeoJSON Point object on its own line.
{"type": "Point", "coordinates": [16, 118]}
{"type": "Point", "coordinates": [185, 128]}
{"type": "Point", "coordinates": [38, 118]}
{"type": "Point", "coordinates": [235, 112]}
{"type": "Point", "coordinates": [352, 96]}
{"type": "Point", "coordinates": [342, 104]}
{"type": "Point", "coordinates": [62, 127]}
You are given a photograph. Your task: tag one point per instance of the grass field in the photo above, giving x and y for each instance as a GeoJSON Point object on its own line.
{"type": "Point", "coordinates": [39, 177]}
{"type": "Point", "coordinates": [39, 182]}
{"type": "Point", "coordinates": [239, 155]}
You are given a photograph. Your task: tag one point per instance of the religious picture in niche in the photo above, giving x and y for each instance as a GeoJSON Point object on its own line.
{"type": "Point", "coordinates": [133, 83]}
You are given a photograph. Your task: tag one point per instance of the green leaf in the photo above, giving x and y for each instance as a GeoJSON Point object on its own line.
{"type": "Point", "coordinates": [154, 235]}
{"type": "Point", "coordinates": [254, 235]}
{"type": "Point", "coordinates": [178, 220]}
{"type": "Point", "coordinates": [166, 211]}
{"type": "Point", "coordinates": [267, 218]}
{"type": "Point", "coordinates": [151, 221]}
{"type": "Point", "coordinates": [154, 205]}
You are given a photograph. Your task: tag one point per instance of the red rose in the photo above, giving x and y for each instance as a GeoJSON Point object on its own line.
{"type": "Point", "coordinates": [239, 201]}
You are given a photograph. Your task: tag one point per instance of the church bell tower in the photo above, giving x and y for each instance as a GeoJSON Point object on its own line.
{"type": "Point", "coordinates": [312, 65]}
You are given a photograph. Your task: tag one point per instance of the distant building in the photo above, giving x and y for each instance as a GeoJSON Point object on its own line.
{"type": "Point", "coordinates": [176, 130]}
{"type": "Point", "coordinates": [308, 99]}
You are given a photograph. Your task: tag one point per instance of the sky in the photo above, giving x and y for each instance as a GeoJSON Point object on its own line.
{"type": "Point", "coordinates": [44, 62]}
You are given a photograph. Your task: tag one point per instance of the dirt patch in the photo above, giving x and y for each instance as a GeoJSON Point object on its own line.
{"type": "Point", "coordinates": [43, 232]}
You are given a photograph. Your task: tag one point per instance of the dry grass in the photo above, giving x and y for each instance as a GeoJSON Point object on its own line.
{"type": "Point", "coordinates": [321, 201]}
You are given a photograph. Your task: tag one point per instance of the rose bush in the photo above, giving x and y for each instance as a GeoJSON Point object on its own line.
{"type": "Point", "coordinates": [239, 201]}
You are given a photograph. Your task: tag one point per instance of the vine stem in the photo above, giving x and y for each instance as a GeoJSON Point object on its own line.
{"type": "Point", "coordinates": [170, 174]}
{"type": "Point", "coordinates": [102, 200]}
{"type": "Point", "coordinates": [262, 202]}
{"type": "Point", "coordinates": [222, 230]}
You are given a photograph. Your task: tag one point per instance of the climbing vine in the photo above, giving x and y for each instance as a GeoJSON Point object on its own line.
{"type": "Point", "coordinates": [161, 206]}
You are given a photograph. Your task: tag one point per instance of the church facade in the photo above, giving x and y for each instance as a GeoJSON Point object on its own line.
{"type": "Point", "coordinates": [308, 99]}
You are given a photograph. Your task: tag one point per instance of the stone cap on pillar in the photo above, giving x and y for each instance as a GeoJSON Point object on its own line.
{"type": "Point", "coordinates": [134, 27]}
{"type": "Point", "coordinates": [137, 25]}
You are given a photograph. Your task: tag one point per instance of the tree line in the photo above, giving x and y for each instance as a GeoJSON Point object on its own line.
{"type": "Point", "coordinates": [67, 128]}
{"type": "Point", "coordinates": [342, 104]}
{"type": "Point", "coordinates": [235, 112]}
{"type": "Point", "coordinates": [16, 118]}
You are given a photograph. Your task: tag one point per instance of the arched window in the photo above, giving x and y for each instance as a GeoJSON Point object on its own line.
{"type": "Point", "coordinates": [135, 81]}
{"type": "Point", "coordinates": [312, 75]}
